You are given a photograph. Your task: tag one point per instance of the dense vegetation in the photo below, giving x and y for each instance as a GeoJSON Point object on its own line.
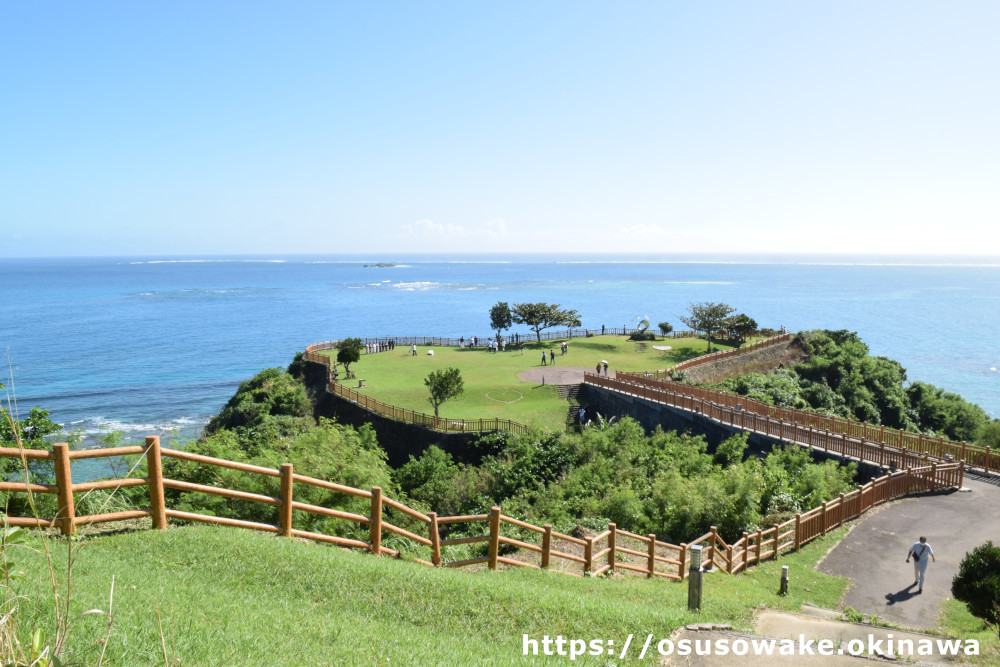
{"type": "Point", "coordinates": [839, 377]}
{"type": "Point", "coordinates": [665, 483]}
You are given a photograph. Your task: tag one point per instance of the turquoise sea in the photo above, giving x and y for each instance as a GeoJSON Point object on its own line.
{"type": "Point", "coordinates": [150, 345]}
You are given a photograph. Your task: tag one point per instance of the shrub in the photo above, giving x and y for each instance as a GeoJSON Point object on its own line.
{"type": "Point", "coordinates": [977, 583]}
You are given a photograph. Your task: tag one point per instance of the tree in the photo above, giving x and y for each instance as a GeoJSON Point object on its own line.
{"type": "Point", "coordinates": [977, 583]}
{"type": "Point", "coordinates": [443, 384]}
{"type": "Point", "coordinates": [707, 317]}
{"type": "Point", "coordinates": [540, 316]}
{"type": "Point", "coordinates": [500, 317]}
{"type": "Point", "coordinates": [665, 328]}
{"type": "Point", "coordinates": [742, 325]}
{"type": "Point", "coordinates": [349, 351]}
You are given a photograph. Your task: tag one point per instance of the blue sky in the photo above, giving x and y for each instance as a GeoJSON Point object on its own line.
{"type": "Point", "coordinates": [247, 127]}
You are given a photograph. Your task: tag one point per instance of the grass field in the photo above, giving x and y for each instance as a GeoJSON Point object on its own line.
{"type": "Point", "coordinates": [231, 596]}
{"type": "Point", "coordinates": [492, 385]}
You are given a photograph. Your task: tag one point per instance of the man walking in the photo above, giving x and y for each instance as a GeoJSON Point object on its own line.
{"type": "Point", "coordinates": [919, 552]}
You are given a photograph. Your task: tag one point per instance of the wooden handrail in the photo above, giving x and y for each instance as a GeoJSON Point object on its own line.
{"type": "Point", "coordinates": [748, 550]}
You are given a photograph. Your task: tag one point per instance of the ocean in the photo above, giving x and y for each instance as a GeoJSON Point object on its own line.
{"type": "Point", "coordinates": [157, 345]}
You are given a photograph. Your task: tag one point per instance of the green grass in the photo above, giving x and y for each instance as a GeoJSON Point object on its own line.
{"type": "Point", "coordinates": [231, 596]}
{"type": "Point", "coordinates": [957, 622]}
{"type": "Point", "coordinates": [492, 386]}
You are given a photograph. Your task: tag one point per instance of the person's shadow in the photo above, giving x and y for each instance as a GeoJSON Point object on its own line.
{"type": "Point", "coordinates": [900, 596]}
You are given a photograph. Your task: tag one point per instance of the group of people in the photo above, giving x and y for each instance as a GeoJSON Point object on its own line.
{"type": "Point", "coordinates": [598, 368]}
{"type": "Point", "coordinates": [380, 346]}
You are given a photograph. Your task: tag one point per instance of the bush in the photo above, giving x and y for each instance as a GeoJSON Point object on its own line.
{"type": "Point", "coordinates": [642, 335]}
{"type": "Point", "coordinates": [977, 583]}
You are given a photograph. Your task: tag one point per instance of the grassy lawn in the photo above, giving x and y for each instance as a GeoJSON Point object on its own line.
{"type": "Point", "coordinates": [492, 385]}
{"type": "Point", "coordinates": [231, 596]}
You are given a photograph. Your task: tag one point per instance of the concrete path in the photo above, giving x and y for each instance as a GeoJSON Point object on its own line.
{"type": "Point", "coordinates": [557, 374]}
{"type": "Point", "coordinates": [874, 552]}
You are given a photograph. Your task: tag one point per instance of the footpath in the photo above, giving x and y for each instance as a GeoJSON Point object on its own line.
{"type": "Point", "coordinates": [873, 554]}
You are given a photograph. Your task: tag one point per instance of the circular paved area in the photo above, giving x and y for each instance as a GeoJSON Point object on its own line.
{"type": "Point", "coordinates": [874, 552]}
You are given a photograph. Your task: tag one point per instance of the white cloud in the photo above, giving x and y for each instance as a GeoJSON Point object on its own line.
{"type": "Point", "coordinates": [428, 229]}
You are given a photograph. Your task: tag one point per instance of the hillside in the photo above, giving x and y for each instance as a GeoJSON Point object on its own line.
{"type": "Point", "coordinates": [229, 596]}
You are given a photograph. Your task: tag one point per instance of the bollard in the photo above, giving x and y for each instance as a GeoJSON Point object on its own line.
{"type": "Point", "coordinates": [784, 581]}
{"type": "Point", "coordinates": [694, 580]}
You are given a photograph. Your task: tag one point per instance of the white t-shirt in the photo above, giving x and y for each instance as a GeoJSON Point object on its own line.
{"type": "Point", "coordinates": [923, 550]}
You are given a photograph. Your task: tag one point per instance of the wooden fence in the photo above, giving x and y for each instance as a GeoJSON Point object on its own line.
{"type": "Point", "coordinates": [611, 550]}
{"type": "Point", "coordinates": [878, 444]}
{"type": "Point", "coordinates": [402, 414]}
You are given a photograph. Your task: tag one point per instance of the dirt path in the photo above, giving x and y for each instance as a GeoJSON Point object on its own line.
{"type": "Point", "coordinates": [874, 552]}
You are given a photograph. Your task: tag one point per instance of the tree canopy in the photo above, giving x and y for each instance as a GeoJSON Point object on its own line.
{"type": "Point", "coordinates": [540, 316]}
{"type": "Point", "coordinates": [707, 317]}
{"type": "Point", "coordinates": [500, 317]}
{"type": "Point", "coordinates": [443, 384]}
{"type": "Point", "coordinates": [349, 351]}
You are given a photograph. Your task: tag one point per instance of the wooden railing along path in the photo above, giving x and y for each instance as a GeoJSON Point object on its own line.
{"type": "Point", "coordinates": [611, 550]}
{"type": "Point", "coordinates": [876, 444]}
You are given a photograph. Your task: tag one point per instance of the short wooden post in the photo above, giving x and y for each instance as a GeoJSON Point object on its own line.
{"type": "Point", "coordinates": [546, 545]}
{"type": "Point", "coordinates": [961, 472]}
{"type": "Point", "coordinates": [435, 539]}
{"type": "Point", "coordinates": [709, 562]}
{"type": "Point", "coordinates": [777, 542]}
{"type": "Point", "coordinates": [154, 469]}
{"type": "Point", "coordinates": [823, 514]}
{"type": "Point", "coordinates": [682, 558]}
{"type": "Point", "coordinates": [651, 562]}
{"type": "Point", "coordinates": [842, 515]}
{"type": "Point", "coordinates": [494, 537]}
{"type": "Point", "coordinates": [64, 483]}
{"type": "Point", "coordinates": [798, 529]}
{"type": "Point", "coordinates": [375, 522]}
{"type": "Point", "coordinates": [746, 550]}
{"type": "Point", "coordinates": [287, 483]}
{"type": "Point", "coordinates": [588, 556]}
{"type": "Point", "coordinates": [611, 546]}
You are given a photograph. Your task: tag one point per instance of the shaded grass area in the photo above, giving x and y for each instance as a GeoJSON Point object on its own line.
{"type": "Point", "coordinates": [230, 596]}
{"type": "Point", "coordinates": [492, 386]}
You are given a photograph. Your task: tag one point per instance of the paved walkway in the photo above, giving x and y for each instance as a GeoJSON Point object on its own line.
{"type": "Point", "coordinates": [874, 552]}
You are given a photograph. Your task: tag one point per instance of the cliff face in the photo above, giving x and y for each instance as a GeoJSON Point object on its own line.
{"type": "Point", "coordinates": [760, 361]}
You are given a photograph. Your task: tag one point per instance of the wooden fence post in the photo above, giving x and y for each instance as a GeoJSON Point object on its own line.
{"type": "Point", "coordinates": [682, 559]}
{"type": "Point", "coordinates": [777, 541]}
{"type": "Point", "coordinates": [287, 483]}
{"type": "Point", "coordinates": [435, 539]}
{"type": "Point", "coordinates": [711, 553]}
{"type": "Point", "coordinates": [961, 472]}
{"type": "Point", "coordinates": [588, 556]}
{"type": "Point", "coordinates": [64, 482]}
{"type": "Point", "coordinates": [824, 517]}
{"type": "Point", "coordinates": [546, 545]}
{"type": "Point", "coordinates": [154, 469]}
{"type": "Point", "coordinates": [494, 537]}
{"type": "Point", "coordinates": [651, 551]}
{"type": "Point", "coordinates": [746, 550]}
{"type": "Point", "coordinates": [612, 534]}
{"type": "Point", "coordinates": [798, 527]}
{"type": "Point", "coordinates": [375, 524]}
